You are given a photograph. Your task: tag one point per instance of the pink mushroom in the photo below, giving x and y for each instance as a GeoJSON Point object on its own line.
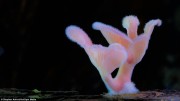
{"type": "Point", "coordinates": [124, 51]}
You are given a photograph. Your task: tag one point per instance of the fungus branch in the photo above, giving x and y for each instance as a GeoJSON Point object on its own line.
{"type": "Point", "coordinates": [124, 51]}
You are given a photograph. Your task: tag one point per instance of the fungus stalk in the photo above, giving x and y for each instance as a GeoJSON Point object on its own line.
{"type": "Point", "coordinates": [124, 51]}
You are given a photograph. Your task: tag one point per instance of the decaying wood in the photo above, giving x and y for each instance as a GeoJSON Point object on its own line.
{"type": "Point", "coordinates": [160, 95]}
{"type": "Point", "coordinates": [13, 93]}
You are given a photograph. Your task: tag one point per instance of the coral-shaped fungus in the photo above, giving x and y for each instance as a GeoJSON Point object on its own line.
{"type": "Point", "coordinates": [124, 51]}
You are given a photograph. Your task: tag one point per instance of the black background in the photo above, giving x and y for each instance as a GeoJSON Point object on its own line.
{"type": "Point", "coordinates": [36, 54]}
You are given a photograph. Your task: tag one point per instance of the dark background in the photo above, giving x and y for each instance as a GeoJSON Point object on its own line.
{"type": "Point", "coordinates": [36, 54]}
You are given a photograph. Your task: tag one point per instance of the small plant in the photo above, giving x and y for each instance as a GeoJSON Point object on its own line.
{"type": "Point", "coordinates": [124, 51]}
